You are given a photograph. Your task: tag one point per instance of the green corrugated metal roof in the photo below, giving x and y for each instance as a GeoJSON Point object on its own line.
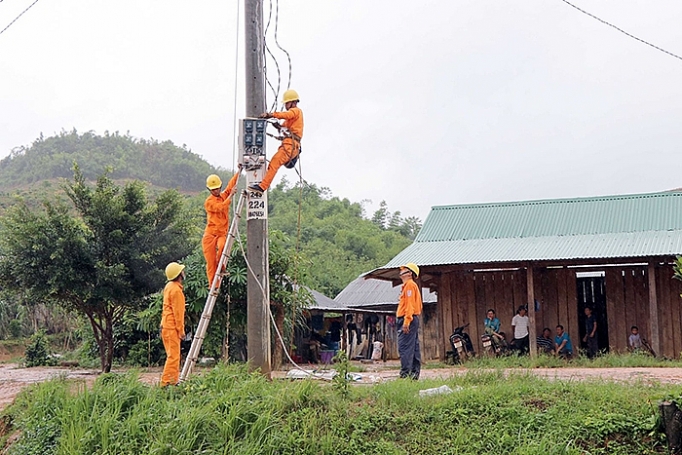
{"type": "Point", "coordinates": [640, 225]}
{"type": "Point", "coordinates": [581, 216]}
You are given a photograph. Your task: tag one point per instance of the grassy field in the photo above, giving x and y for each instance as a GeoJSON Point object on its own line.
{"type": "Point", "coordinates": [228, 410]}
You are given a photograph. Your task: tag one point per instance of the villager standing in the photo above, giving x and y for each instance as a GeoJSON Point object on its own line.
{"type": "Point", "coordinates": [520, 324]}
{"type": "Point", "coordinates": [591, 333]}
{"type": "Point", "coordinates": [173, 322]}
{"type": "Point", "coordinates": [408, 315]}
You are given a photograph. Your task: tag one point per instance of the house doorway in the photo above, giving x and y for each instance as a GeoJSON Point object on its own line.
{"type": "Point", "coordinates": [592, 293]}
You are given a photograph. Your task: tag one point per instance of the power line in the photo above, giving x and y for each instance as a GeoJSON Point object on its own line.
{"type": "Point", "coordinates": [622, 31]}
{"type": "Point", "coordinates": [265, 63]}
{"type": "Point", "coordinates": [236, 77]}
{"type": "Point", "coordinates": [277, 42]}
{"type": "Point", "coordinates": [16, 18]}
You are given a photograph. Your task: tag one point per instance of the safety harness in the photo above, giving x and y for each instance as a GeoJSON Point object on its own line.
{"type": "Point", "coordinates": [285, 133]}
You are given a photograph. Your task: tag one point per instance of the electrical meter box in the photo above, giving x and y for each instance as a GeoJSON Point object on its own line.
{"type": "Point", "coordinates": [252, 143]}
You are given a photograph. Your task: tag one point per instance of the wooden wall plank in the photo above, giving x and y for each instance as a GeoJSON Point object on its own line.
{"type": "Point", "coordinates": [552, 299]}
{"type": "Point", "coordinates": [520, 297]}
{"type": "Point", "coordinates": [508, 303]}
{"type": "Point", "coordinates": [572, 308]}
{"type": "Point", "coordinates": [673, 304]}
{"type": "Point", "coordinates": [625, 316]}
{"type": "Point", "coordinates": [664, 314]}
{"type": "Point", "coordinates": [614, 301]}
{"type": "Point", "coordinates": [446, 303]}
{"type": "Point", "coordinates": [470, 286]}
{"type": "Point", "coordinates": [674, 299]}
{"type": "Point", "coordinates": [642, 296]}
{"type": "Point", "coordinates": [562, 300]}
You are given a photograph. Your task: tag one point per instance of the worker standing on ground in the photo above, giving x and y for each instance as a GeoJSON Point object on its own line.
{"type": "Point", "coordinates": [408, 314]}
{"type": "Point", "coordinates": [217, 208]}
{"type": "Point", "coordinates": [173, 322]}
{"type": "Point", "coordinates": [292, 133]}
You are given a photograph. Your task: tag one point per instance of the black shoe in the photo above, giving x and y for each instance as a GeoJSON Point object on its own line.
{"type": "Point", "coordinates": [256, 188]}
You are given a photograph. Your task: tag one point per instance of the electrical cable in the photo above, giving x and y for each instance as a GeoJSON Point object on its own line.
{"type": "Point", "coordinates": [265, 66]}
{"type": "Point", "coordinates": [266, 304]}
{"type": "Point", "coordinates": [275, 92]}
{"type": "Point", "coordinates": [17, 18]}
{"type": "Point", "coordinates": [236, 86]}
{"type": "Point", "coordinates": [277, 42]}
{"type": "Point", "coordinates": [622, 31]}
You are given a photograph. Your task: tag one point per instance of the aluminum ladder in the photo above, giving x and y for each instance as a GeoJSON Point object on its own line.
{"type": "Point", "coordinates": [213, 293]}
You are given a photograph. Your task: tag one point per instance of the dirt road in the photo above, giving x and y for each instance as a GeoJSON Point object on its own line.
{"type": "Point", "coordinates": [13, 378]}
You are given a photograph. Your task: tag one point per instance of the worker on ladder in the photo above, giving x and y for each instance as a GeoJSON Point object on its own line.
{"type": "Point", "coordinates": [173, 322]}
{"type": "Point", "coordinates": [291, 134]}
{"type": "Point", "coordinates": [217, 208]}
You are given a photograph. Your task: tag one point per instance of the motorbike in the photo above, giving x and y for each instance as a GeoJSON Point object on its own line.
{"type": "Point", "coordinates": [462, 348]}
{"type": "Point", "coordinates": [493, 345]}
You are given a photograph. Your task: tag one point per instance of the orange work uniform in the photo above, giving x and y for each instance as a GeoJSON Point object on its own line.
{"type": "Point", "coordinates": [410, 303]}
{"type": "Point", "coordinates": [409, 309]}
{"type": "Point", "coordinates": [290, 147]}
{"type": "Point", "coordinates": [217, 220]}
{"type": "Point", "coordinates": [172, 330]}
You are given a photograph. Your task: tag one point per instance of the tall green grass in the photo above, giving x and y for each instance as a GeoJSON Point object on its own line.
{"type": "Point", "coordinates": [229, 411]}
{"type": "Point", "coordinates": [607, 360]}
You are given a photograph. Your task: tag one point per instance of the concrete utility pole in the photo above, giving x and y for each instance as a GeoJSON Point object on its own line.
{"type": "Point", "coordinates": [258, 322]}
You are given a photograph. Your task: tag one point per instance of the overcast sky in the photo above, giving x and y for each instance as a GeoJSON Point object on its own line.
{"type": "Point", "coordinates": [418, 103]}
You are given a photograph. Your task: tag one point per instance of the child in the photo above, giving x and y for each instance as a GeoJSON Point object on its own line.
{"type": "Point", "coordinates": [291, 145]}
{"type": "Point", "coordinates": [634, 341]}
{"type": "Point", "coordinates": [378, 349]}
{"type": "Point", "coordinates": [217, 206]}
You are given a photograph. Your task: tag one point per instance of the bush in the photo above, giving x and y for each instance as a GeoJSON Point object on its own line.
{"type": "Point", "coordinates": [15, 329]}
{"type": "Point", "coordinates": [38, 350]}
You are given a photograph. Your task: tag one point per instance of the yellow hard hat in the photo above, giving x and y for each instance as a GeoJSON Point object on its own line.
{"type": "Point", "coordinates": [173, 270]}
{"type": "Point", "coordinates": [213, 182]}
{"type": "Point", "coordinates": [412, 267]}
{"type": "Point", "coordinates": [290, 95]}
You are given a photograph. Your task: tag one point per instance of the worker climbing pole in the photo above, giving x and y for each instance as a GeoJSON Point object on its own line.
{"type": "Point", "coordinates": [290, 133]}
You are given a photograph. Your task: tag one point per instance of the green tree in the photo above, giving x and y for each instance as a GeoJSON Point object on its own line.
{"type": "Point", "coordinates": [99, 257]}
{"type": "Point", "coordinates": [333, 233]}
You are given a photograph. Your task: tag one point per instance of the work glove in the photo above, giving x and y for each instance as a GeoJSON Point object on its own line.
{"type": "Point", "coordinates": [265, 115]}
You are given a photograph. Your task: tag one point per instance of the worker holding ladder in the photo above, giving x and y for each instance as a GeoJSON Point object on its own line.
{"type": "Point", "coordinates": [217, 208]}
{"type": "Point", "coordinates": [291, 133]}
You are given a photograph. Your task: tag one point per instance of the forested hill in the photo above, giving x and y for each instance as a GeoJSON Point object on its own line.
{"type": "Point", "coordinates": [336, 239]}
{"type": "Point", "coordinates": [162, 164]}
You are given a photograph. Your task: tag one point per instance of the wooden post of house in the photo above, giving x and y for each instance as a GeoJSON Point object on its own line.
{"type": "Point", "coordinates": [655, 340]}
{"type": "Point", "coordinates": [445, 305]}
{"type": "Point", "coordinates": [531, 311]}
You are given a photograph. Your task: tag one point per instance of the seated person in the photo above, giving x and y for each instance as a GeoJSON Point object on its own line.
{"type": "Point", "coordinates": [544, 342]}
{"type": "Point", "coordinates": [315, 343]}
{"type": "Point", "coordinates": [634, 341]}
{"type": "Point", "coordinates": [492, 324]}
{"type": "Point", "coordinates": [562, 343]}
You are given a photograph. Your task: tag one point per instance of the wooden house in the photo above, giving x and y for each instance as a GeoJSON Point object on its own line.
{"type": "Point", "coordinates": [378, 299]}
{"type": "Point", "coordinates": [613, 254]}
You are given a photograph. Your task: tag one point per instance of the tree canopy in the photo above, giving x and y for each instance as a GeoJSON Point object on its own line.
{"type": "Point", "coordinates": [100, 261]}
